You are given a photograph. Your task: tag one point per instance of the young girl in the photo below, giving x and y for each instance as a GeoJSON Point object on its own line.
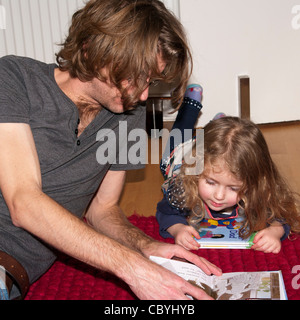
{"type": "Point", "coordinates": [239, 178]}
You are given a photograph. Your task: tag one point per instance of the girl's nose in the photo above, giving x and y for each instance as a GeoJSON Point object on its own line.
{"type": "Point", "coordinates": [219, 193]}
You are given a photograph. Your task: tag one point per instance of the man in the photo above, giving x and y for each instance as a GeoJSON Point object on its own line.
{"type": "Point", "coordinates": [49, 119]}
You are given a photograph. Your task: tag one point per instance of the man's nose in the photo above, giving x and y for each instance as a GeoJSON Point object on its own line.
{"type": "Point", "coordinates": [145, 94]}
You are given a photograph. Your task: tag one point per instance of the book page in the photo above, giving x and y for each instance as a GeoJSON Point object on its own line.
{"type": "Point", "coordinates": [187, 271]}
{"type": "Point", "coordinates": [264, 285]}
{"type": "Point", "coordinates": [247, 286]}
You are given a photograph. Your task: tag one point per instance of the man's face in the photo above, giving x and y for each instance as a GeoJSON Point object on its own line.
{"type": "Point", "coordinates": [109, 96]}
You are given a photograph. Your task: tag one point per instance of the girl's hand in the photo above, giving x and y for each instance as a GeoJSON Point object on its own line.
{"type": "Point", "coordinates": [184, 236]}
{"type": "Point", "coordinates": [268, 239]}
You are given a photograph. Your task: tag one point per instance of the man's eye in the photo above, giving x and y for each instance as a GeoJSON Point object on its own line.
{"type": "Point", "coordinates": [153, 83]}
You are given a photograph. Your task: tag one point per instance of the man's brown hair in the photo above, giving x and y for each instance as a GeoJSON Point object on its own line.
{"type": "Point", "coordinates": [126, 37]}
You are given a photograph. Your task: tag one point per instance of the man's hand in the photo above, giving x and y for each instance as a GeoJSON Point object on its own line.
{"type": "Point", "coordinates": [170, 251]}
{"type": "Point", "coordinates": [153, 282]}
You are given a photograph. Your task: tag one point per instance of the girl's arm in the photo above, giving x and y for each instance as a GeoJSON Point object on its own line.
{"type": "Point", "coordinates": [168, 216]}
{"type": "Point", "coordinates": [173, 224]}
{"type": "Point", "coordinates": [185, 236]}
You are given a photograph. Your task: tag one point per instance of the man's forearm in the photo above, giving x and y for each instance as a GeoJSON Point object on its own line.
{"type": "Point", "coordinates": [56, 226]}
{"type": "Point", "coordinates": [114, 224]}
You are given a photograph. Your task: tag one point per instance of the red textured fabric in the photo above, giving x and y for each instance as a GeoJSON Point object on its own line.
{"type": "Point", "coordinates": [69, 279]}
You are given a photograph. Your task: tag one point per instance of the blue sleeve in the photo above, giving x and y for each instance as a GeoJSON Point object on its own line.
{"type": "Point", "coordinates": [167, 216]}
{"type": "Point", "coordinates": [287, 230]}
{"type": "Point", "coordinates": [286, 227]}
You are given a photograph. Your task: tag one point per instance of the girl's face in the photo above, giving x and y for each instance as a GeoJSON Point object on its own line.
{"type": "Point", "coordinates": [218, 188]}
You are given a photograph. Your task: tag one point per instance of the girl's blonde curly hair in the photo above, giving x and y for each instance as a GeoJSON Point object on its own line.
{"type": "Point", "coordinates": [264, 195]}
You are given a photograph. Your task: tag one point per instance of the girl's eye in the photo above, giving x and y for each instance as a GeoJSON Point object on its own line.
{"type": "Point", "coordinates": [235, 189]}
{"type": "Point", "coordinates": [210, 182]}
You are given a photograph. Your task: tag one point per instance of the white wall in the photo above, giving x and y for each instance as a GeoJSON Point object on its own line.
{"type": "Point", "coordinates": [34, 28]}
{"type": "Point", "coordinates": [245, 37]}
{"type": "Point", "coordinates": [228, 38]}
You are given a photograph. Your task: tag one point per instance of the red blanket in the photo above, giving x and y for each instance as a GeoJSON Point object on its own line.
{"type": "Point", "coordinates": [69, 279]}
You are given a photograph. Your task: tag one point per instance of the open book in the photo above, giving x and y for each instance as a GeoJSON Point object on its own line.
{"type": "Point", "coordinates": [223, 234]}
{"type": "Point", "coordinates": [264, 285]}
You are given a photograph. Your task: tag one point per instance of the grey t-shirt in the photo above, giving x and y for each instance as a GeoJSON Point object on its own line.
{"type": "Point", "coordinates": [70, 171]}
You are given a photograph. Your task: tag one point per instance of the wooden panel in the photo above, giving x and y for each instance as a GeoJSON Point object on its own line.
{"type": "Point", "coordinates": [284, 145]}
{"type": "Point", "coordinates": [244, 87]}
{"type": "Point", "coordinates": [143, 188]}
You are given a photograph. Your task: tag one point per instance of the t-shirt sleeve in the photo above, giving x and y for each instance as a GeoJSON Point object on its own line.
{"type": "Point", "coordinates": [14, 102]}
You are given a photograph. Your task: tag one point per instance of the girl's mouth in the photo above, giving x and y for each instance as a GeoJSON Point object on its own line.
{"type": "Point", "coordinates": [217, 205]}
